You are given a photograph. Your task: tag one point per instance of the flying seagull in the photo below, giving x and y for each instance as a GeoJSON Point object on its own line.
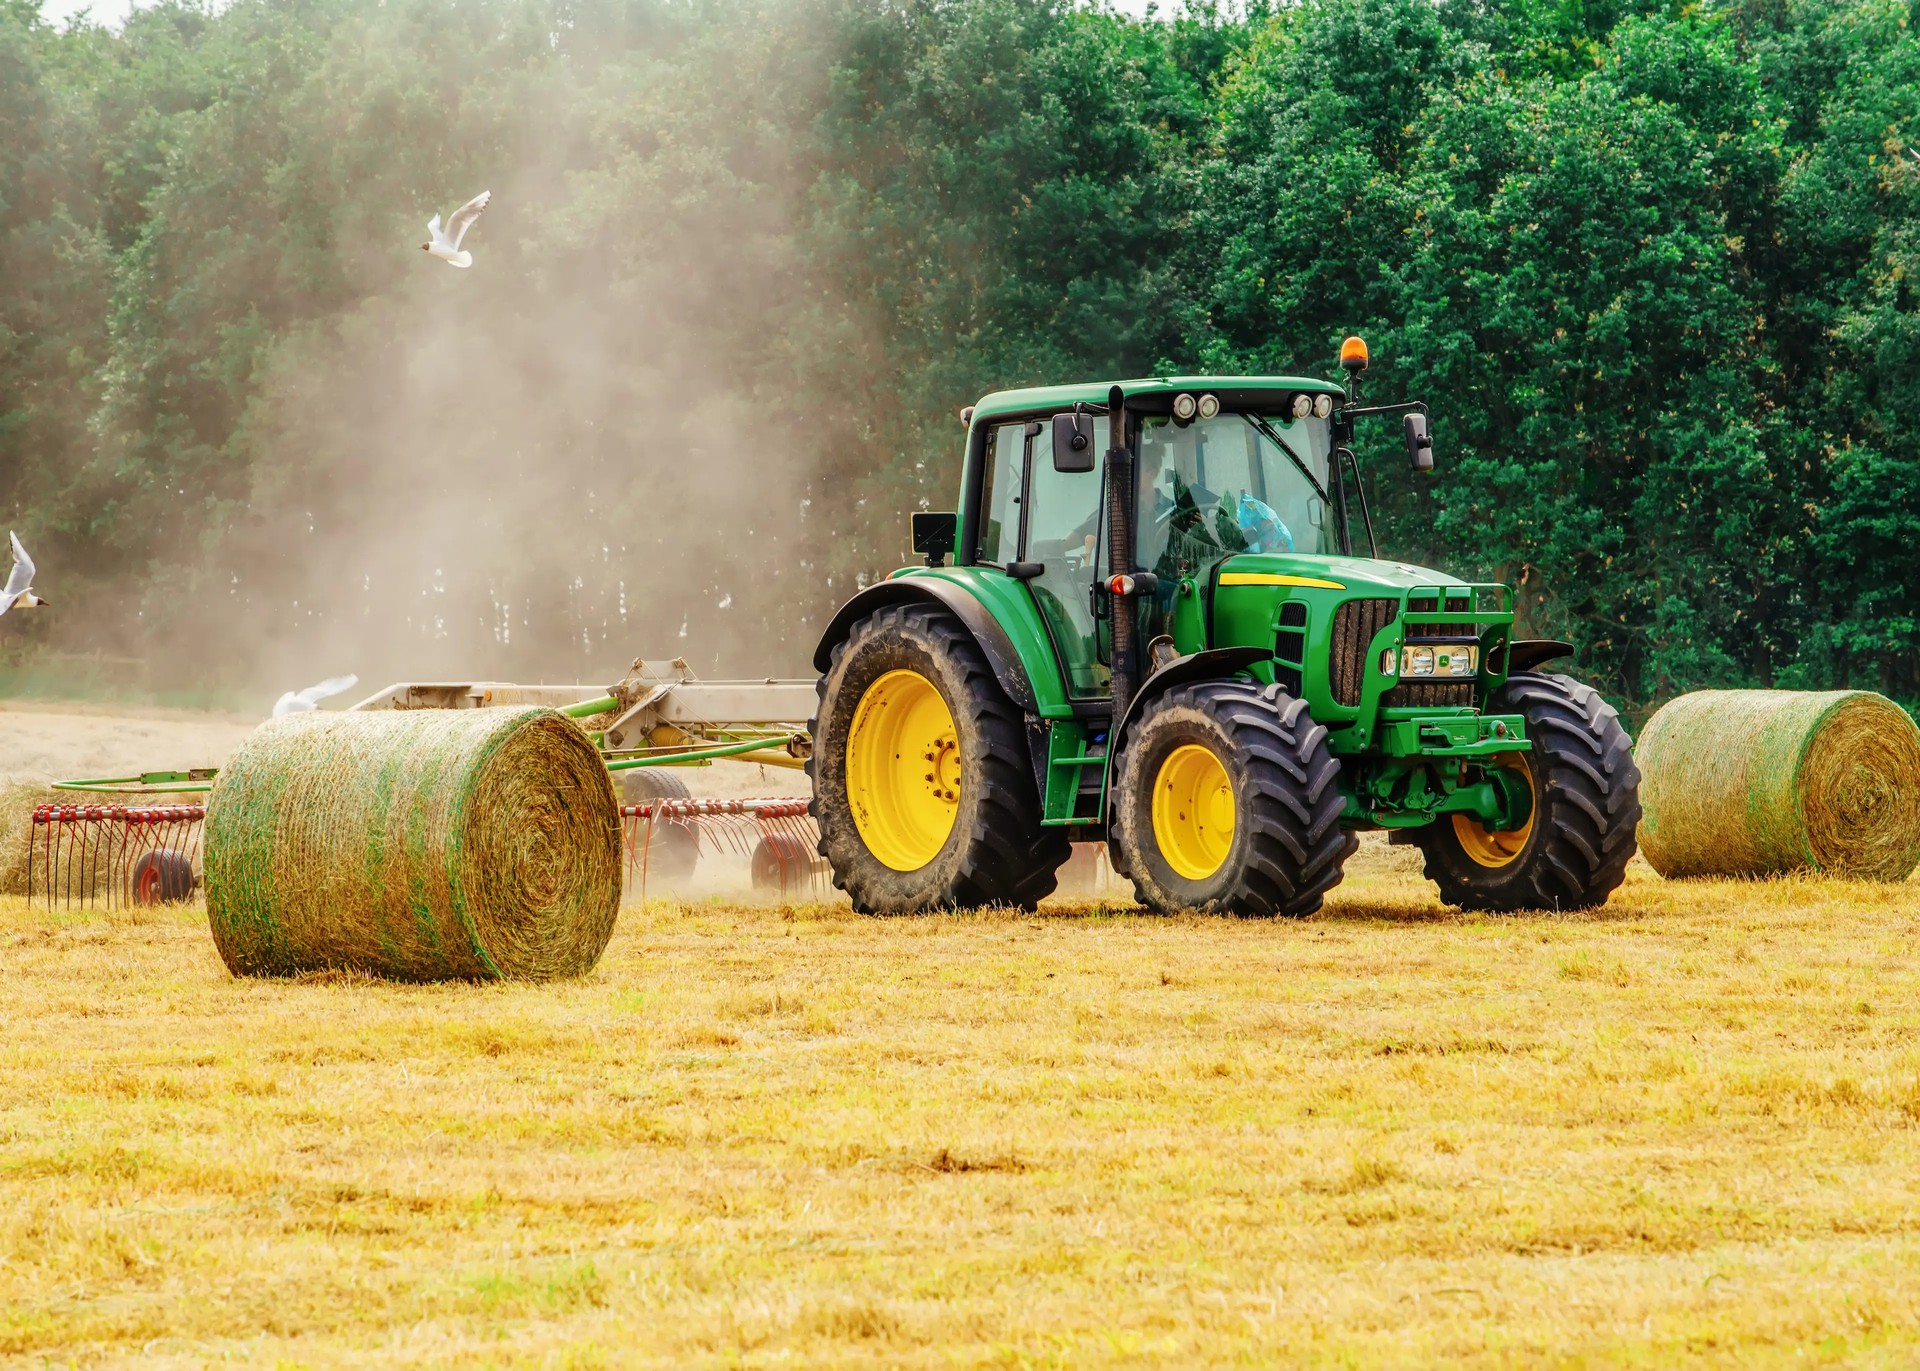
{"type": "Point", "coordinates": [300, 701]}
{"type": "Point", "coordinates": [19, 592]}
{"type": "Point", "coordinates": [446, 244]}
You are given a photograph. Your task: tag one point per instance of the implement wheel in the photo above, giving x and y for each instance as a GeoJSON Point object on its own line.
{"type": "Point", "coordinates": [1574, 847]}
{"type": "Point", "coordinates": [162, 877]}
{"type": "Point", "coordinates": [921, 784]}
{"type": "Point", "coordinates": [1227, 800]}
{"type": "Point", "coordinates": [673, 845]}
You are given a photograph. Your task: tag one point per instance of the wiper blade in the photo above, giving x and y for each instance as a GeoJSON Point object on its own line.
{"type": "Point", "coordinates": [1267, 430]}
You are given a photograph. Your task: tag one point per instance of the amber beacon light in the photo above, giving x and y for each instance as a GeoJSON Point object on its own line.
{"type": "Point", "coordinates": [1353, 354]}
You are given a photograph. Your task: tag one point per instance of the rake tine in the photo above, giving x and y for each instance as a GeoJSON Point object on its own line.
{"type": "Point", "coordinates": [71, 838]}
{"type": "Point", "coordinates": [118, 835]}
{"type": "Point", "coordinates": [33, 841]}
{"type": "Point", "coordinates": [646, 852]}
{"type": "Point", "coordinates": [76, 836]}
{"type": "Point", "coordinates": [68, 838]}
{"type": "Point", "coordinates": [98, 835]}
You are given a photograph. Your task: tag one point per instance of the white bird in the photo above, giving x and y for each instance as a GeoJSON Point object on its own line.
{"type": "Point", "coordinates": [446, 244]}
{"type": "Point", "coordinates": [19, 592]}
{"type": "Point", "coordinates": [300, 701]}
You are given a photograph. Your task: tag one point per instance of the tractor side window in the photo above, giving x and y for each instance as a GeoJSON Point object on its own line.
{"type": "Point", "coordinates": [1063, 519]}
{"type": "Point", "coordinates": [1001, 495]}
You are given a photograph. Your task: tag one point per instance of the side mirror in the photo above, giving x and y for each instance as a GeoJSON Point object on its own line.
{"type": "Point", "coordinates": [1419, 445]}
{"type": "Point", "coordinates": [1073, 442]}
{"type": "Point", "coordinates": [934, 535]}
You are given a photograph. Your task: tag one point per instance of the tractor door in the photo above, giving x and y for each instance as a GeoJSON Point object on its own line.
{"type": "Point", "coordinates": [1038, 515]}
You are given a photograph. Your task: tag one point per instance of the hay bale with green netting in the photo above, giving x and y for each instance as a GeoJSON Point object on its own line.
{"type": "Point", "coordinates": [1761, 782]}
{"type": "Point", "coordinates": [422, 845]}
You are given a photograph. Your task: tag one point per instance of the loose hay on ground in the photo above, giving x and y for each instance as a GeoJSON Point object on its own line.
{"type": "Point", "coordinates": [422, 845]}
{"type": "Point", "coordinates": [1678, 1130]}
{"type": "Point", "coordinates": [1763, 782]}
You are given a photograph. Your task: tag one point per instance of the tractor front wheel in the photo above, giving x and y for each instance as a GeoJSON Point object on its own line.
{"type": "Point", "coordinates": [1227, 800]}
{"type": "Point", "coordinates": [1574, 847]}
{"type": "Point", "coordinates": [921, 783]}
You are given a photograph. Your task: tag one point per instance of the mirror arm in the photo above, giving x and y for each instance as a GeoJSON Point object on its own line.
{"type": "Point", "coordinates": [1352, 411]}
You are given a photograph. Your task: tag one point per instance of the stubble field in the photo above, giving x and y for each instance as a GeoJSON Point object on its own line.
{"type": "Point", "coordinates": [1685, 1128]}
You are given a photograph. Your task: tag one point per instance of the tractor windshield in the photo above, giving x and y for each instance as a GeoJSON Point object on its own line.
{"type": "Point", "coordinates": [1233, 483]}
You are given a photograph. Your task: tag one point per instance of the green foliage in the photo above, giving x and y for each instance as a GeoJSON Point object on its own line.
{"type": "Point", "coordinates": [1651, 264]}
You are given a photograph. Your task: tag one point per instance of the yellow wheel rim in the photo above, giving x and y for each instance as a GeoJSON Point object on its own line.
{"type": "Point", "coordinates": [903, 770]}
{"type": "Point", "coordinates": [1193, 812]}
{"type": "Point", "coordinates": [1495, 848]}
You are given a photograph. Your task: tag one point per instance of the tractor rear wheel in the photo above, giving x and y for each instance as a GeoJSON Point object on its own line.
{"type": "Point", "coordinates": [1227, 800]}
{"type": "Point", "coordinates": [1574, 847]}
{"type": "Point", "coordinates": [921, 783]}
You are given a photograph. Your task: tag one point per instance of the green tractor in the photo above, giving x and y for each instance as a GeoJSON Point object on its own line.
{"type": "Point", "coordinates": [1177, 648]}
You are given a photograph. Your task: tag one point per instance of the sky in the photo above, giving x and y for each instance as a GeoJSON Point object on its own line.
{"type": "Point", "coordinates": [113, 11]}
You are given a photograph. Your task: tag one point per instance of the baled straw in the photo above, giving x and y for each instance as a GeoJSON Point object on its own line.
{"type": "Point", "coordinates": [1758, 782]}
{"type": "Point", "coordinates": [420, 845]}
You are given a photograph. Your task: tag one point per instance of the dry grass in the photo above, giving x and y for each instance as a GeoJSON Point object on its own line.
{"type": "Point", "coordinates": [1686, 1129]}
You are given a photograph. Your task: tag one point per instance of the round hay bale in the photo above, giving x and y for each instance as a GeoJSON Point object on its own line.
{"type": "Point", "coordinates": [1759, 782]}
{"type": "Point", "coordinates": [423, 845]}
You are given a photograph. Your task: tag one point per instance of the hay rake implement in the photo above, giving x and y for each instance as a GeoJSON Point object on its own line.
{"type": "Point", "coordinates": [655, 722]}
{"type": "Point", "coordinates": [776, 837]}
{"type": "Point", "coordinates": [111, 856]}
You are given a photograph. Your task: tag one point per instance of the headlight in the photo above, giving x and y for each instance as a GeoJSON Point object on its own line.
{"type": "Point", "coordinates": [1209, 406]}
{"type": "Point", "coordinates": [1184, 406]}
{"type": "Point", "coordinates": [1440, 661]}
{"type": "Point", "coordinates": [1302, 406]}
{"type": "Point", "coordinates": [1322, 406]}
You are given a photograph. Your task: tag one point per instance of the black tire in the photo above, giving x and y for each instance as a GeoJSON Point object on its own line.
{"type": "Point", "coordinates": [1586, 807]}
{"type": "Point", "coordinates": [782, 863]}
{"type": "Point", "coordinates": [1287, 848]}
{"type": "Point", "coordinates": [996, 852]}
{"type": "Point", "coordinates": [673, 844]}
{"type": "Point", "coordinates": [162, 878]}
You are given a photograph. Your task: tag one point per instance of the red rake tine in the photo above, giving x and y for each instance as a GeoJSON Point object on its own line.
{"type": "Point", "coordinates": [33, 841]}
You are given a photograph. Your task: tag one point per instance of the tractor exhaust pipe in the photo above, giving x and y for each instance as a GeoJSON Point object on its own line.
{"type": "Point", "coordinates": [1121, 616]}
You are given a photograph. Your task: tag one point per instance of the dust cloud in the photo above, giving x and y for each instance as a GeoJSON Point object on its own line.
{"type": "Point", "coordinates": [610, 438]}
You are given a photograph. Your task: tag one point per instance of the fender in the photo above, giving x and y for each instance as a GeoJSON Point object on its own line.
{"type": "Point", "coordinates": [1007, 666]}
{"type": "Point", "coordinates": [1212, 664]}
{"type": "Point", "coordinates": [1524, 654]}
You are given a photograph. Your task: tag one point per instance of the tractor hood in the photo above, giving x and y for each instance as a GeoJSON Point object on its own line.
{"type": "Point", "coordinates": [1331, 573]}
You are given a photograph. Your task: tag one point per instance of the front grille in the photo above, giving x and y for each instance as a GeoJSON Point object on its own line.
{"type": "Point", "coordinates": [1456, 604]}
{"type": "Point", "coordinates": [1354, 625]}
{"type": "Point", "coordinates": [1435, 694]}
{"type": "Point", "coordinates": [1290, 648]}
{"type": "Point", "coordinates": [1430, 695]}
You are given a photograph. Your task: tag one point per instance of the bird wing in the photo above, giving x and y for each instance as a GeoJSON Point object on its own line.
{"type": "Point", "coordinates": [464, 216]}
{"type": "Point", "coordinates": [22, 574]}
{"type": "Point", "coordinates": [286, 704]}
{"type": "Point", "coordinates": [433, 229]}
{"type": "Point", "coordinates": [327, 689]}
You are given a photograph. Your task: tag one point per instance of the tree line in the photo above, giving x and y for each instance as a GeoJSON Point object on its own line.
{"type": "Point", "coordinates": [1651, 264]}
